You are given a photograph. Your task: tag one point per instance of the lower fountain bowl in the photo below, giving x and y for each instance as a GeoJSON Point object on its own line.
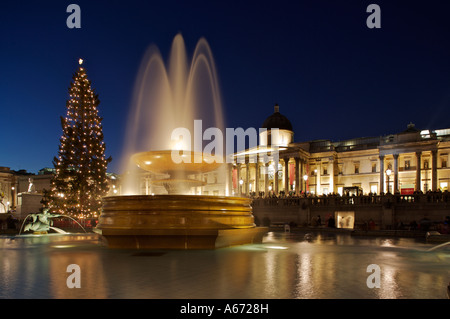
{"type": "Point", "coordinates": [178, 222]}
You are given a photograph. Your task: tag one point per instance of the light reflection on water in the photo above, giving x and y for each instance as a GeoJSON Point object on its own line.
{"type": "Point", "coordinates": [285, 266]}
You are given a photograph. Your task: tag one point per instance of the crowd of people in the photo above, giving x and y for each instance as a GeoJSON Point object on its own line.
{"type": "Point", "coordinates": [368, 198]}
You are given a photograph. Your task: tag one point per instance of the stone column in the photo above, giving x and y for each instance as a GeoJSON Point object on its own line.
{"type": "Point", "coordinates": [238, 168]}
{"type": "Point", "coordinates": [298, 186]}
{"type": "Point", "coordinates": [434, 170]}
{"type": "Point", "coordinates": [275, 178]}
{"type": "Point", "coordinates": [381, 174]}
{"type": "Point", "coordinates": [247, 178]}
{"type": "Point", "coordinates": [257, 178]}
{"type": "Point", "coordinates": [418, 171]}
{"type": "Point", "coordinates": [286, 176]}
{"type": "Point", "coordinates": [302, 172]}
{"type": "Point", "coordinates": [318, 174]}
{"type": "Point", "coordinates": [230, 176]}
{"type": "Point", "coordinates": [266, 179]}
{"type": "Point", "coordinates": [395, 174]}
{"type": "Point", "coordinates": [331, 172]}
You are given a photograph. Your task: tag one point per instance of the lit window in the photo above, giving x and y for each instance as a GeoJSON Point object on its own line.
{"type": "Point", "coordinates": [373, 188]}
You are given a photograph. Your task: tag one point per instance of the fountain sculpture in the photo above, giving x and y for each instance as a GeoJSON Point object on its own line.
{"type": "Point", "coordinates": [41, 223]}
{"type": "Point", "coordinates": [166, 99]}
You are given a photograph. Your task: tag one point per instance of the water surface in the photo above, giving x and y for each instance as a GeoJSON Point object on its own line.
{"type": "Point", "coordinates": [285, 266]}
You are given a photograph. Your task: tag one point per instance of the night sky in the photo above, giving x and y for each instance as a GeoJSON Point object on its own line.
{"type": "Point", "coordinates": [332, 76]}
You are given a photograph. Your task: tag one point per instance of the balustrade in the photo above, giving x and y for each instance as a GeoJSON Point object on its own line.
{"type": "Point", "coordinates": [431, 198]}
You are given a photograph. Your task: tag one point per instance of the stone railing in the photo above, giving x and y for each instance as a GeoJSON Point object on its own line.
{"type": "Point", "coordinates": [432, 198]}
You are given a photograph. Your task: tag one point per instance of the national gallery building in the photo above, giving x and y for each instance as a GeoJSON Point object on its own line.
{"type": "Point", "coordinates": [410, 161]}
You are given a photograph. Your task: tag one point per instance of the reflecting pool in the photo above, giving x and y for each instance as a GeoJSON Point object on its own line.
{"type": "Point", "coordinates": [285, 265]}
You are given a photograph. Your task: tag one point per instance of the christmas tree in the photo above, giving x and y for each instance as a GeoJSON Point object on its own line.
{"type": "Point", "coordinates": [80, 179]}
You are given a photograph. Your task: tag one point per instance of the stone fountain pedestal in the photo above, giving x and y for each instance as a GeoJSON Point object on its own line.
{"type": "Point", "coordinates": [178, 222]}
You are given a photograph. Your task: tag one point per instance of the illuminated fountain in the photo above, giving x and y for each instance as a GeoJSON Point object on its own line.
{"type": "Point", "coordinates": [37, 229]}
{"type": "Point", "coordinates": [178, 182]}
{"type": "Point", "coordinates": [167, 99]}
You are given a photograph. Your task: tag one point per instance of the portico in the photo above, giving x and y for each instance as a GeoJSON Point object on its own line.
{"type": "Point", "coordinates": [261, 178]}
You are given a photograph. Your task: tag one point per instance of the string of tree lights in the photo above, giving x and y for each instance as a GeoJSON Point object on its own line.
{"type": "Point", "coordinates": [80, 179]}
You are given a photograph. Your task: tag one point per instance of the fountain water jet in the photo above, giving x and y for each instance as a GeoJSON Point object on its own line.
{"type": "Point", "coordinates": [165, 100]}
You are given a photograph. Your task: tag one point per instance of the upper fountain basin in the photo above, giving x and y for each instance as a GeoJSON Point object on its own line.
{"type": "Point", "coordinates": [161, 162]}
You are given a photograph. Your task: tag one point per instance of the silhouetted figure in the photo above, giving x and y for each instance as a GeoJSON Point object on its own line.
{"type": "Point", "coordinates": [331, 222]}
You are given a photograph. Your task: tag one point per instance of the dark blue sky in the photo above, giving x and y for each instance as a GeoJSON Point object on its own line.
{"type": "Point", "coordinates": [332, 76]}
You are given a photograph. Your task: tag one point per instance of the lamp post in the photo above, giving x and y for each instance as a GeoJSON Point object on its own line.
{"type": "Point", "coordinates": [388, 173]}
{"type": "Point", "coordinates": [241, 181]}
{"type": "Point", "coordinates": [13, 197]}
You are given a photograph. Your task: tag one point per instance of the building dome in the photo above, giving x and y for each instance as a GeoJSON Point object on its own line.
{"type": "Point", "coordinates": [277, 120]}
{"type": "Point", "coordinates": [278, 130]}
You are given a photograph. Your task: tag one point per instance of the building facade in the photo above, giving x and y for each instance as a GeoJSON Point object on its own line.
{"type": "Point", "coordinates": [21, 191]}
{"type": "Point", "coordinates": [7, 189]}
{"type": "Point", "coordinates": [410, 161]}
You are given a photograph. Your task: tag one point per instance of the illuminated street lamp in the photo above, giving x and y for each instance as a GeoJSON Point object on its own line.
{"type": "Point", "coordinates": [13, 197]}
{"type": "Point", "coordinates": [388, 173]}
{"type": "Point", "coordinates": [305, 178]}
